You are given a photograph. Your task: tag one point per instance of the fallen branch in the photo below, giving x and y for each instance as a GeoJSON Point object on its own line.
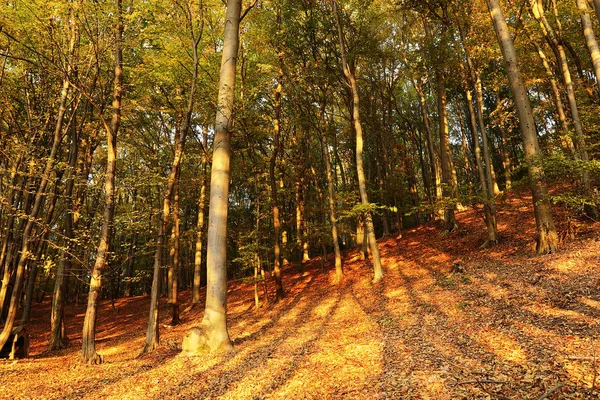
{"type": "Point", "coordinates": [551, 390]}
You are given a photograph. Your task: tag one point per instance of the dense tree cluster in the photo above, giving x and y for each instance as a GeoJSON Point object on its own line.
{"type": "Point", "coordinates": [153, 146]}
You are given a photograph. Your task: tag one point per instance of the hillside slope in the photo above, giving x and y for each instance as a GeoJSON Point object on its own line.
{"type": "Point", "coordinates": [449, 321]}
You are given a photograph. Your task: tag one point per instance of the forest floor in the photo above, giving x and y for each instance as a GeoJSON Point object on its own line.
{"type": "Point", "coordinates": [449, 321]}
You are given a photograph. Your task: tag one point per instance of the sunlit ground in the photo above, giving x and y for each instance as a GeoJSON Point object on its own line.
{"type": "Point", "coordinates": [513, 325]}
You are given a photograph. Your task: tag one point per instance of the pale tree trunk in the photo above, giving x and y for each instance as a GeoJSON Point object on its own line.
{"type": "Point", "coordinates": [448, 187]}
{"type": "Point", "coordinates": [273, 181]}
{"type": "Point", "coordinates": [212, 335]}
{"type": "Point", "coordinates": [489, 167]}
{"type": "Point", "coordinates": [200, 225]}
{"type": "Point", "coordinates": [590, 37]}
{"type": "Point", "coordinates": [566, 141]}
{"type": "Point", "coordinates": [547, 240]}
{"type": "Point", "coordinates": [362, 185]}
{"type": "Point", "coordinates": [561, 58]}
{"type": "Point", "coordinates": [486, 189]}
{"type": "Point", "coordinates": [331, 196]}
{"type": "Point", "coordinates": [89, 354]}
{"type": "Point", "coordinates": [174, 260]}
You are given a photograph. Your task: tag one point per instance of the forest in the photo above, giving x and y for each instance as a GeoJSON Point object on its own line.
{"type": "Point", "coordinates": [252, 199]}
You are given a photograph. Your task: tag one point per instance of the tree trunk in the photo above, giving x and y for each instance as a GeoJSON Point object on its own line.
{"type": "Point", "coordinates": [212, 335]}
{"type": "Point", "coordinates": [174, 260]}
{"type": "Point", "coordinates": [597, 8]}
{"type": "Point", "coordinates": [486, 189]}
{"type": "Point", "coordinates": [89, 354]}
{"type": "Point", "coordinates": [590, 37]}
{"type": "Point", "coordinates": [547, 240]}
{"type": "Point", "coordinates": [57, 335]}
{"type": "Point", "coordinates": [152, 332]}
{"type": "Point", "coordinates": [449, 189]}
{"type": "Point", "coordinates": [566, 141]}
{"type": "Point", "coordinates": [273, 180]}
{"type": "Point", "coordinates": [331, 196]}
{"type": "Point", "coordinates": [362, 185]}
{"type": "Point", "coordinates": [435, 173]}
{"type": "Point", "coordinates": [200, 226]}
{"type": "Point", "coordinates": [561, 58]}
{"type": "Point", "coordinates": [31, 220]}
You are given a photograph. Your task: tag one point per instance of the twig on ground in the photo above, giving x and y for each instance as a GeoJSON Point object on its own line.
{"type": "Point", "coordinates": [551, 390]}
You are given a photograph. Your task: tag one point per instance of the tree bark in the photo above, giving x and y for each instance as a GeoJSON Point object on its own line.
{"type": "Point", "coordinates": [273, 181]}
{"type": "Point", "coordinates": [212, 335]}
{"type": "Point", "coordinates": [561, 58]}
{"type": "Point", "coordinates": [339, 272]}
{"type": "Point", "coordinates": [590, 37]}
{"type": "Point", "coordinates": [448, 187]}
{"type": "Point", "coordinates": [89, 354]}
{"type": "Point", "coordinates": [362, 186]}
{"type": "Point", "coordinates": [566, 141]}
{"type": "Point", "coordinates": [200, 226]}
{"type": "Point", "coordinates": [547, 238]}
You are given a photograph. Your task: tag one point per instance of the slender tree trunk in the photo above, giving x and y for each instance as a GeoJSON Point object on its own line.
{"type": "Point", "coordinates": [212, 335]}
{"type": "Point", "coordinates": [152, 332]}
{"type": "Point", "coordinates": [567, 142]}
{"type": "Point", "coordinates": [590, 37]}
{"type": "Point", "coordinates": [273, 180]}
{"type": "Point", "coordinates": [200, 227]}
{"type": "Point", "coordinates": [362, 185]}
{"type": "Point", "coordinates": [331, 196]}
{"type": "Point", "coordinates": [449, 189]}
{"type": "Point", "coordinates": [31, 220]}
{"type": "Point", "coordinates": [489, 209]}
{"type": "Point", "coordinates": [561, 58]}
{"type": "Point", "coordinates": [435, 173]}
{"type": "Point", "coordinates": [39, 249]}
{"type": "Point", "coordinates": [174, 264]}
{"type": "Point", "coordinates": [57, 334]}
{"type": "Point", "coordinates": [89, 354]}
{"type": "Point", "coordinates": [547, 240]}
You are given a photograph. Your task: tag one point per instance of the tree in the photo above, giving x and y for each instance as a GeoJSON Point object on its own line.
{"type": "Point", "coordinates": [368, 216]}
{"type": "Point", "coordinates": [212, 334]}
{"type": "Point", "coordinates": [547, 238]}
{"type": "Point", "coordinates": [89, 354]}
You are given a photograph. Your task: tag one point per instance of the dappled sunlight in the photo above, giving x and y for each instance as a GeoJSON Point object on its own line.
{"type": "Point", "coordinates": [548, 311]}
{"type": "Point", "coordinates": [428, 330]}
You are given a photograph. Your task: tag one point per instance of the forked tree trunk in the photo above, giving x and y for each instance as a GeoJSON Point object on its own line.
{"type": "Point", "coordinates": [89, 354]}
{"type": "Point", "coordinates": [362, 185]}
{"type": "Point", "coordinates": [547, 238]}
{"type": "Point", "coordinates": [212, 335]}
